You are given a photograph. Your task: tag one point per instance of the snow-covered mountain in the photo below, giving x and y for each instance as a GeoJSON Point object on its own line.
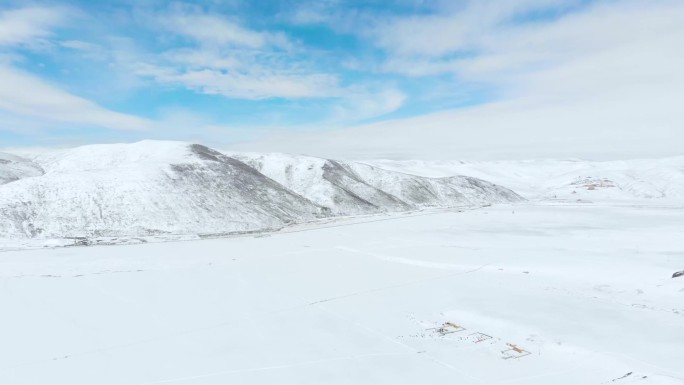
{"type": "Point", "coordinates": [152, 188]}
{"type": "Point", "coordinates": [652, 180]}
{"type": "Point", "coordinates": [142, 189]}
{"type": "Point", "coordinates": [14, 167]}
{"type": "Point", "coordinates": [355, 188]}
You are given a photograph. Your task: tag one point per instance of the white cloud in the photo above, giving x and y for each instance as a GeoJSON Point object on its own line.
{"type": "Point", "coordinates": [480, 43]}
{"type": "Point", "coordinates": [311, 13]}
{"type": "Point", "coordinates": [590, 128]}
{"type": "Point", "coordinates": [308, 16]}
{"type": "Point", "coordinates": [80, 45]}
{"type": "Point", "coordinates": [464, 28]}
{"type": "Point", "coordinates": [29, 26]}
{"type": "Point", "coordinates": [213, 30]}
{"type": "Point", "coordinates": [28, 102]}
{"type": "Point", "coordinates": [203, 59]}
{"type": "Point", "coordinates": [255, 84]}
{"type": "Point", "coordinates": [361, 103]}
{"type": "Point", "coordinates": [27, 96]}
{"type": "Point", "coordinates": [225, 58]}
{"type": "Point", "coordinates": [603, 82]}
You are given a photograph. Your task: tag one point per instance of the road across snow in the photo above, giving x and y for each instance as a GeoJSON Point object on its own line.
{"type": "Point", "coordinates": [522, 294]}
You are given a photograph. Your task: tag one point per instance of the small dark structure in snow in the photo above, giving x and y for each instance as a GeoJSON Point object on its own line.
{"type": "Point", "coordinates": [678, 274]}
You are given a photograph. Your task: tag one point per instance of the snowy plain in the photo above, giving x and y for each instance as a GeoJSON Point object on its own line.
{"type": "Point", "coordinates": [585, 289]}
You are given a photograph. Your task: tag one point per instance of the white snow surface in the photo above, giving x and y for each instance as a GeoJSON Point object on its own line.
{"type": "Point", "coordinates": [530, 294]}
{"type": "Point", "coordinates": [654, 180]}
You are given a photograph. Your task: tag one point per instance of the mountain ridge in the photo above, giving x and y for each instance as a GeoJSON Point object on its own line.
{"type": "Point", "coordinates": [158, 188]}
{"type": "Point", "coordinates": [646, 180]}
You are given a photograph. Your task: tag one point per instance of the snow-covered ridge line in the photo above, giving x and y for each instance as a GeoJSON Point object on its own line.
{"type": "Point", "coordinates": [164, 188]}
{"type": "Point", "coordinates": [356, 188]}
{"type": "Point", "coordinates": [646, 180]}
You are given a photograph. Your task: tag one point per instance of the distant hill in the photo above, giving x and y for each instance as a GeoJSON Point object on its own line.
{"type": "Point", "coordinates": [645, 180]}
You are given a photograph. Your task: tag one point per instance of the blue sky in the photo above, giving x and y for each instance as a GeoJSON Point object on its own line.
{"type": "Point", "coordinates": [241, 71]}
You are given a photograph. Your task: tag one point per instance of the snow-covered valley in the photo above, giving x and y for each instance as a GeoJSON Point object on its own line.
{"type": "Point", "coordinates": [522, 294]}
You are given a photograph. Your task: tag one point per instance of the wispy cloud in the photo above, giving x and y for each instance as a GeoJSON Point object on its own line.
{"type": "Point", "coordinates": [463, 27]}
{"type": "Point", "coordinates": [29, 26]}
{"type": "Point", "coordinates": [493, 42]}
{"type": "Point", "coordinates": [255, 84]}
{"type": "Point", "coordinates": [557, 74]}
{"type": "Point", "coordinates": [311, 12]}
{"type": "Point", "coordinates": [600, 80]}
{"type": "Point", "coordinates": [363, 104]}
{"type": "Point", "coordinates": [219, 56]}
{"type": "Point", "coordinates": [213, 30]}
{"type": "Point", "coordinates": [28, 96]}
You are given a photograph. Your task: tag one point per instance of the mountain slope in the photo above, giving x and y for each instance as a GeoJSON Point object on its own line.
{"type": "Point", "coordinates": [435, 192]}
{"type": "Point", "coordinates": [143, 189]}
{"type": "Point", "coordinates": [352, 188]}
{"type": "Point", "coordinates": [14, 167]}
{"type": "Point", "coordinates": [329, 183]}
{"type": "Point", "coordinates": [155, 188]}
